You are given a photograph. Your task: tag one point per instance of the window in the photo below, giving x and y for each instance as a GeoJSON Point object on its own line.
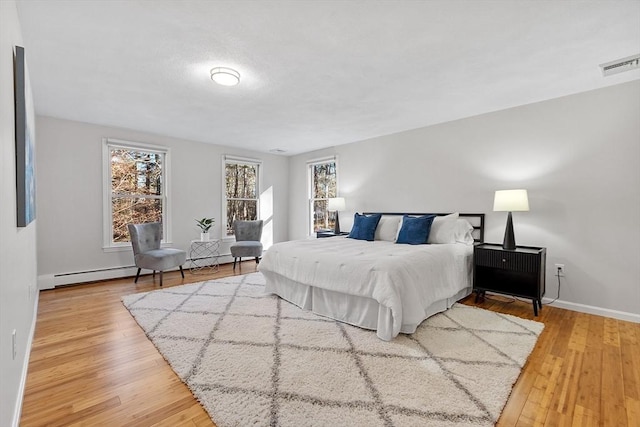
{"type": "Point", "coordinates": [135, 189]}
{"type": "Point", "coordinates": [323, 185]}
{"type": "Point", "coordinates": [242, 189]}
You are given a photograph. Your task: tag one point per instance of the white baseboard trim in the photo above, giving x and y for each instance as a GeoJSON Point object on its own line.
{"type": "Point", "coordinates": [46, 281]}
{"type": "Point", "coordinates": [582, 308]}
{"type": "Point", "coordinates": [589, 309]}
{"type": "Point", "coordinates": [50, 281]}
{"type": "Point", "coordinates": [17, 411]}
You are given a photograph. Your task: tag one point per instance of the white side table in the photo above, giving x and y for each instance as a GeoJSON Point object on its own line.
{"type": "Point", "coordinates": [204, 255]}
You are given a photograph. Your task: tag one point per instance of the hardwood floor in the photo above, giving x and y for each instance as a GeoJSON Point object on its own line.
{"type": "Point", "coordinates": [584, 370]}
{"type": "Point", "coordinates": [92, 365]}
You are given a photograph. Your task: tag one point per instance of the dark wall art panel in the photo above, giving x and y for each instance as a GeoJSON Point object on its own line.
{"type": "Point", "coordinates": [25, 142]}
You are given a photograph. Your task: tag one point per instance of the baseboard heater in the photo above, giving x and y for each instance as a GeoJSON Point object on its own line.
{"type": "Point", "coordinates": [51, 281]}
{"type": "Point", "coordinates": [99, 270]}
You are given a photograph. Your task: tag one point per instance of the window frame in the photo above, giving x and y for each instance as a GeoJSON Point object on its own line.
{"type": "Point", "coordinates": [108, 245]}
{"type": "Point", "coordinates": [310, 198]}
{"type": "Point", "coordinates": [229, 159]}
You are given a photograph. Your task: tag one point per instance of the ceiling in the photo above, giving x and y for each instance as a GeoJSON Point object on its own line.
{"type": "Point", "coordinates": [314, 73]}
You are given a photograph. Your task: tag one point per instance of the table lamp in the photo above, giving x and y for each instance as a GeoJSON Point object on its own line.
{"type": "Point", "coordinates": [336, 204]}
{"type": "Point", "coordinates": [510, 201]}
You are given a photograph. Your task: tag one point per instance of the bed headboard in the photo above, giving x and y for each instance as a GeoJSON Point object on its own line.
{"type": "Point", "coordinates": [475, 219]}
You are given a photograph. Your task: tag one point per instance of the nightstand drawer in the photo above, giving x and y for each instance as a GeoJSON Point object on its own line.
{"type": "Point", "coordinates": [513, 261]}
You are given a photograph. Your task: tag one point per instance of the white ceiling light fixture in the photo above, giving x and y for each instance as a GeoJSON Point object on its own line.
{"type": "Point", "coordinates": [225, 76]}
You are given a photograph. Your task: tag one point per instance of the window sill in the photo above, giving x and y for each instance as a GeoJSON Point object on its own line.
{"type": "Point", "coordinates": [127, 247]}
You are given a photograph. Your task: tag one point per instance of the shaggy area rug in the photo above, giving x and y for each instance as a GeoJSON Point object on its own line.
{"type": "Point", "coordinates": [253, 359]}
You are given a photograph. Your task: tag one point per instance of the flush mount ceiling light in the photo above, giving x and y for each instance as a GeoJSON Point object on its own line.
{"type": "Point", "coordinates": [225, 76]}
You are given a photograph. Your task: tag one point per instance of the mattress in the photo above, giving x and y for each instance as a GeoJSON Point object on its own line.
{"type": "Point", "coordinates": [379, 285]}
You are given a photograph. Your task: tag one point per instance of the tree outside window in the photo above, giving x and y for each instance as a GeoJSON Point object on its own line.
{"type": "Point", "coordinates": [241, 192]}
{"type": "Point", "coordinates": [323, 187]}
{"type": "Point", "coordinates": [136, 189]}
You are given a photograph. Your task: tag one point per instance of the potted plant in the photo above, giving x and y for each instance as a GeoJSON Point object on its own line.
{"type": "Point", "coordinates": [205, 224]}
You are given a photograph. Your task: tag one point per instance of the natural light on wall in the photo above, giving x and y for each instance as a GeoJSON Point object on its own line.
{"type": "Point", "coordinates": [266, 214]}
{"type": "Point", "coordinates": [526, 160]}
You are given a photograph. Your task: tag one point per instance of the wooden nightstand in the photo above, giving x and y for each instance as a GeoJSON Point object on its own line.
{"type": "Point", "coordinates": [330, 233]}
{"type": "Point", "coordinates": [520, 272]}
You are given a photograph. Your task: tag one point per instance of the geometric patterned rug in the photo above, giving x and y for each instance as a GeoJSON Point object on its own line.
{"type": "Point", "coordinates": [253, 359]}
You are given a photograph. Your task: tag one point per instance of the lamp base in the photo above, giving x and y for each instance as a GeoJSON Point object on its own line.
{"type": "Point", "coordinates": [336, 229]}
{"type": "Point", "coordinates": [509, 242]}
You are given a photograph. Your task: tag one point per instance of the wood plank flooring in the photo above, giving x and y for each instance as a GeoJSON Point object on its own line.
{"type": "Point", "coordinates": [91, 365]}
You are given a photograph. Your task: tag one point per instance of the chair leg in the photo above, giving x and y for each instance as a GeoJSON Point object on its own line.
{"type": "Point", "coordinates": [154, 275]}
{"type": "Point", "coordinates": [182, 272]}
{"type": "Point", "coordinates": [160, 277]}
{"type": "Point", "coordinates": [137, 276]}
{"type": "Point", "coordinates": [234, 262]}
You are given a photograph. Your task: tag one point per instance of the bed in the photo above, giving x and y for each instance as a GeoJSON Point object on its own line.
{"type": "Point", "coordinates": [379, 285]}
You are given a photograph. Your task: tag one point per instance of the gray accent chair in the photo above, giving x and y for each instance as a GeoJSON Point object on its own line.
{"type": "Point", "coordinates": [248, 235]}
{"type": "Point", "coordinates": [147, 253]}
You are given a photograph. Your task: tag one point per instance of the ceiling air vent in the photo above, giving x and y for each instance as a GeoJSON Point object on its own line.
{"type": "Point", "coordinates": [620, 65]}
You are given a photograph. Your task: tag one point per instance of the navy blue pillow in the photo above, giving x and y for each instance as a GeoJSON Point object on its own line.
{"type": "Point", "coordinates": [415, 230]}
{"type": "Point", "coordinates": [364, 226]}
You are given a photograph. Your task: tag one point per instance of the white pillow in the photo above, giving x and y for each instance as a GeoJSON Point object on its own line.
{"type": "Point", "coordinates": [443, 229]}
{"type": "Point", "coordinates": [387, 228]}
{"type": "Point", "coordinates": [463, 231]}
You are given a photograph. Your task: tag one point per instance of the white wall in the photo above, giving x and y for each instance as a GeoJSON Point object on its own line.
{"type": "Point", "coordinates": [578, 157]}
{"type": "Point", "coordinates": [18, 298]}
{"type": "Point", "coordinates": [70, 195]}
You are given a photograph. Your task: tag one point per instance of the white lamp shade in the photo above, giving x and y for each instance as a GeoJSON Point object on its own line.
{"type": "Point", "coordinates": [511, 201]}
{"type": "Point", "coordinates": [336, 204]}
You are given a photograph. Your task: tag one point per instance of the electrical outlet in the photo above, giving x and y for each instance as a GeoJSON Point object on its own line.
{"type": "Point", "coordinates": [14, 350]}
{"type": "Point", "coordinates": [560, 270]}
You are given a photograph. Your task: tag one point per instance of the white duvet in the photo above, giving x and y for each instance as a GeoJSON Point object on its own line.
{"type": "Point", "coordinates": [406, 279]}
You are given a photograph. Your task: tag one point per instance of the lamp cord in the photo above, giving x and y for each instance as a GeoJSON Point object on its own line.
{"type": "Point", "coordinates": [556, 298]}
{"type": "Point", "coordinates": [518, 299]}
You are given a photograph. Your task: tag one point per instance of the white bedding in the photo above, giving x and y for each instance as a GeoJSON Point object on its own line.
{"type": "Point", "coordinates": [406, 281]}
